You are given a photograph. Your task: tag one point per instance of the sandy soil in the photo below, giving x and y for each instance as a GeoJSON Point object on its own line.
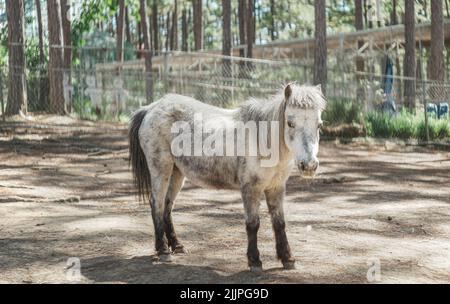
{"type": "Point", "coordinates": [65, 192]}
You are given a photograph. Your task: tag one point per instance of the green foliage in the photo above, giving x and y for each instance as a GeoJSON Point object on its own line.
{"type": "Point", "coordinates": [406, 126]}
{"type": "Point", "coordinates": [438, 129]}
{"type": "Point", "coordinates": [343, 111]}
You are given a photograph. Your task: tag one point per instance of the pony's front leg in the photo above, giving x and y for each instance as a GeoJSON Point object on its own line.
{"type": "Point", "coordinates": [274, 198]}
{"type": "Point", "coordinates": [251, 197]}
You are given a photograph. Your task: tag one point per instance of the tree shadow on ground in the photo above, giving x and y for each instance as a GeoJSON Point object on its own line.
{"type": "Point", "coordinates": [145, 269]}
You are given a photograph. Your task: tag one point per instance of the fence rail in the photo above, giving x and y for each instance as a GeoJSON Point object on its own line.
{"type": "Point", "coordinates": [101, 88]}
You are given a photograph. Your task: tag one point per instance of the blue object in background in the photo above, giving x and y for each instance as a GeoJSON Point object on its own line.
{"type": "Point", "coordinates": [388, 79]}
{"type": "Point", "coordinates": [442, 110]}
{"type": "Point", "coordinates": [388, 85]}
{"type": "Point", "coordinates": [432, 109]}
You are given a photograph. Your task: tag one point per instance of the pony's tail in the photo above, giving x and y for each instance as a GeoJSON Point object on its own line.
{"type": "Point", "coordinates": [138, 162]}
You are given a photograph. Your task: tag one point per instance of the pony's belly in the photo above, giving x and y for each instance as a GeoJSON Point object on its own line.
{"type": "Point", "coordinates": [212, 172]}
{"type": "Point", "coordinates": [212, 183]}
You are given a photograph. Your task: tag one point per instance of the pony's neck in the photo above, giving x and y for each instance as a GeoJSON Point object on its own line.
{"type": "Point", "coordinates": [269, 110]}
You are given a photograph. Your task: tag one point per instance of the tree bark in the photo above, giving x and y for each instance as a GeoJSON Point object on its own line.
{"type": "Point", "coordinates": [242, 15]}
{"type": "Point", "coordinates": [127, 25]}
{"type": "Point", "coordinates": [249, 35]}
{"type": "Point", "coordinates": [447, 9]}
{"type": "Point", "coordinates": [394, 18]}
{"type": "Point", "coordinates": [120, 31]}
{"type": "Point", "coordinates": [147, 51]}
{"type": "Point", "coordinates": [410, 55]}
{"type": "Point", "coordinates": [273, 31]}
{"type": "Point", "coordinates": [67, 51]}
{"type": "Point", "coordinates": [226, 41]}
{"type": "Point", "coordinates": [436, 65]}
{"type": "Point", "coordinates": [359, 25]}
{"type": "Point", "coordinates": [56, 63]}
{"type": "Point", "coordinates": [184, 31]}
{"type": "Point", "coordinates": [168, 32]}
{"type": "Point", "coordinates": [226, 47]}
{"type": "Point", "coordinates": [320, 53]}
{"type": "Point", "coordinates": [198, 24]}
{"type": "Point", "coordinates": [174, 32]}
{"type": "Point", "coordinates": [17, 90]}
{"type": "Point", "coordinates": [43, 81]}
{"type": "Point", "coordinates": [40, 33]}
{"type": "Point", "coordinates": [155, 26]}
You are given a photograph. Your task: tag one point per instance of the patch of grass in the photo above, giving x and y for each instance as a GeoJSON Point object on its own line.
{"type": "Point", "coordinates": [437, 129]}
{"type": "Point", "coordinates": [406, 126]}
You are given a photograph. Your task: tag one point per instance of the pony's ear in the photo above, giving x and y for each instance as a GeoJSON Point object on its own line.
{"type": "Point", "coordinates": [287, 92]}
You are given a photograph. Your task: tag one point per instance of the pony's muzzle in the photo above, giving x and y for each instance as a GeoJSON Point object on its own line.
{"type": "Point", "coordinates": [308, 168]}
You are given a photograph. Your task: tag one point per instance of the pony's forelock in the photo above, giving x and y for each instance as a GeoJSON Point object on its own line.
{"type": "Point", "coordinates": [304, 97]}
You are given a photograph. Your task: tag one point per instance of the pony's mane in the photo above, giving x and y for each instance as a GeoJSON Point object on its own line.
{"type": "Point", "coordinates": [304, 97]}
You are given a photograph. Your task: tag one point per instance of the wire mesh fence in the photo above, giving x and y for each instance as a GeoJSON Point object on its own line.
{"type": "Point", "coordinates": [97, 87]}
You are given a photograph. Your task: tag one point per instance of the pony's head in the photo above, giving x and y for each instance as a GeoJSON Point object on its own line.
{"type": "Point", "coordinates": [302, 108]}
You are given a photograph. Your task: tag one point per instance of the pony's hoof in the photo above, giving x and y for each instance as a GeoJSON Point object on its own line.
{"type": "Point", "coordinates": [256, 269]}
{"type": "Point", "coordinates": [165, 258]}
{"type": "Point", "coordinates": [289, 265]}
{"type": "Point", "coordinates": [180, 250]}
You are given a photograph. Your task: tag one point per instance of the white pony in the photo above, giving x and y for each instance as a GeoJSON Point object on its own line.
{"type": "Point", "coordinates": [295, 113]}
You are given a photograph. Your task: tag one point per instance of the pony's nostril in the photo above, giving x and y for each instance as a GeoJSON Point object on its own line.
{"type": "Point", "coordinates": [302, 165]}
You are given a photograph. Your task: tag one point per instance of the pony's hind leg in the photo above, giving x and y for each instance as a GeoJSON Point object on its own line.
{"type": "Point", "coordinates": [176, 183]}
{"type": "Point", "coordinates": [160, 171]}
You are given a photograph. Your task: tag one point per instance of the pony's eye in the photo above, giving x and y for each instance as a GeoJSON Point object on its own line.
{"type": "Point", "coordinates": [290, 124]}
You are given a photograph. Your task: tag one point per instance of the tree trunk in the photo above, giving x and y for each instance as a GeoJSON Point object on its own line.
{"type": "Point", "coordinates": [174, 32]}
{"type": "Point", "coordinates": [242, 15]}
{"type": "Point", "coordinates": [147, 51]}
{"type": "Point", "coordinates": [43, 81]}
{"type": "Point", "coordinates": [67, 52]}
{"type": "Point", "coordinates": [139, 38]}
{"type": "Point", "coordinates": [359, 25]}
{"type": "Point", "coordinates": [155, 26]}
{"type": "Point", "coordinates": [120, 31]}
{"type": "Point", "coordinates": [127, 25]}
{"type": "Point", "coordinates": [370, 13]}
{"type": "Point", "coordinates": [447, 9]}
{"type": "Point", "coordinates": [40, 33]}
{"type": "Point", "coordinates": [56, 63]}
{"type": "Point", "coordinates": [250, 29]}
{"type": "Point", "coordinates": [198, 24]}
{"type": "Point", "coordinates": [320, 53]}
{"type": "Point", "coordinates": [17, 91]}
{"type": "Point", "coordinates": [394, 19]}
{"type": "Point", "coordinates": [436, 65]}
{"type": "Point", "coordinates": [226, 46]}
{"type": "Point", "coordinates": [409, 66]}
{"type": "Point", "coordinates": [184, 31]}
{"type": "Point", "coordinates": [168, 40]}
{"type": "Point", "coordinates": [273, 31]}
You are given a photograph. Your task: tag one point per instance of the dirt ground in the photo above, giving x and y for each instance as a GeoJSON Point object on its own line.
{"type": "Point", "coordinates": [66, 192]}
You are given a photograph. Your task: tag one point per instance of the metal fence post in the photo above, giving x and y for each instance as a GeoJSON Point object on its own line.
{"type": "Point", "coordinates": [425, 109]}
